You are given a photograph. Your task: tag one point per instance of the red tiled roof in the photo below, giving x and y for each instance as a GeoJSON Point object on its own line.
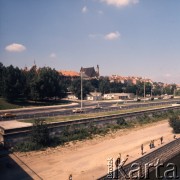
{"type": "Point", "coordinates": [69, 73]}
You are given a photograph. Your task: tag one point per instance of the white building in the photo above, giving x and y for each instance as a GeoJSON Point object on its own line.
{"type": "Point", "coordinates": [94, 96]}
{"type": "Point", "coordinates": [71, 96]}
{"type": "Point", "coordinates": [119, 96]}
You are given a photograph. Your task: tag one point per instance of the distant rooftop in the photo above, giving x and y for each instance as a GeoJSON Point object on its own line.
{"type": "Point", "coordinates": [90, 72]}
{"type": "Point", "coordinates": [69, 73]}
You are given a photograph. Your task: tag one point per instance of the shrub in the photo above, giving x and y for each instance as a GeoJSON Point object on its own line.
{"type": "Point", "coordinates": [40, 133]}
{"type": "Point", "coordinates": [38, 139]}
{"type": "Point", "coordinates": [143, 119]}
{"type": "Point", "coordinates": [121, 121]}
{"type": "Point", "coordinates": [174, 122]}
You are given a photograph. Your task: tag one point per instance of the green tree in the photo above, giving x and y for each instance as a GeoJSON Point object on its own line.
{"type": "Point", "coordinates": [131, 89]}
{"type": "Point", "coordinates": [95, 84]}
{"type": "Point", "coordinates": [140, 88]}
{"type": "Point", "coordinates": [40, 133]}
{"type": "Point", "coordinates": [30, 86]}
{"type": "Point", "coordinates": [169, 89]}
{"type": "Point", "coordinates": [45, 83]}
{"type": "Point", "coordinates": [116, 87]}
{"type": "Point", "coordinates": [76, 88]}
{"type": "Point", "coordinates": [104, 85]}
{"type": "Point", "coordinates": [13, 83]}
{"type": "Point", "coordinates": [2, 71]}
{"type": "Point", "coordinates": [157, 88]}
{"type": "Point", "coordinates": [177, 93]}
{"type": "Point", "coordinates": [174, 122]}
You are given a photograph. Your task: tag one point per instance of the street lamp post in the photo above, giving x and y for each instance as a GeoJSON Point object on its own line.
{"type": "Point", "coordinates": [96, 99]}
{"type": "Point", "coordinates": [81, 90]}
{"type": "Point", "coordinates": [144, 90]}
{"type": "Point", "coordinates": [151, 92]}
{"type": "Point", "coordinates": [174, 93]}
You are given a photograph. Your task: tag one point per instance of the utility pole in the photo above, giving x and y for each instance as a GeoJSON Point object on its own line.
{"type": "Point", "coordinates": [144, 90]}
{"type": "Point", "coordinates": [96, 99]}
{"type": "Point", "coordinates": [151, 91]}
{"type": "Point", "coordinates": [174, 93]}
{"type": "Point", "coordinates": [81, 90]}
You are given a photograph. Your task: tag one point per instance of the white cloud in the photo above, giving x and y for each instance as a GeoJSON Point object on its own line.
{"type": "Point", "coordinates": [84, 9]}
{"type": "Point", "coordinates": [112, 36]}
{"type": "Point", "coordinates": [15, 48]}
{"type": "Point", "coordinates": [53, 55]}
{"type": "Point", "coordinates": [120, 3]}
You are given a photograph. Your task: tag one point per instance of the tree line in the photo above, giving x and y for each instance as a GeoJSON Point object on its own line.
{"type": "Point", "coordinates": [103, 85]}
{"type": "Point", "coordinates": [43, 83]}
{"type": "Point", "coordinates": [35, 83]}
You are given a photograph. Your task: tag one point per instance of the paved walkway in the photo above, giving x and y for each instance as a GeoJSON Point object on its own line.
{"type": "Point", "coordinates": [13, 124]}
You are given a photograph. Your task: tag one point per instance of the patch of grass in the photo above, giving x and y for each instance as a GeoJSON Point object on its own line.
{"type": "Point", "coordinates": [7, 105]}
{"type": "Point", "coordinates": [20, 103]}
{"type": "Point", "coordinates": [144, 119]}
{"type": "Point", "coordinates": [27, 146]}
{"type": "Point", "coordinates": [72, 133]}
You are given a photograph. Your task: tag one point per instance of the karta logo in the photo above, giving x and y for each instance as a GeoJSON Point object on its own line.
{"type": "Point", "coordinates": [116, 169]}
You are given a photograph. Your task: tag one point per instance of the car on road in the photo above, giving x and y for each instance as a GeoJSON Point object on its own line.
{"type": "Point", "coordinates": [137, 99]}
{"type": "Point", "coordinates": [97, 107]}
{"type": "Point", "coordinates": [176, 104]}
{"type": "Point", "coordinates": [78, 110]}
{"type": "Point", "coordinates": [8, 115]}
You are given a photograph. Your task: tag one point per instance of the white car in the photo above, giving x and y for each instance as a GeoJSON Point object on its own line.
{"type": "Point", "coordinates": [78, 110]}
{"type": "Point", "coordinates": [176, 104]}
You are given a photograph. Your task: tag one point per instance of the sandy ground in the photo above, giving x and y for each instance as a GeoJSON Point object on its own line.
{"type": "Point", "coordinates": [88, 159]}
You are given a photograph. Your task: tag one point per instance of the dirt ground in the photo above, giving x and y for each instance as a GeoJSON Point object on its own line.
{"type": "Point", "coordinates": [88, 159]}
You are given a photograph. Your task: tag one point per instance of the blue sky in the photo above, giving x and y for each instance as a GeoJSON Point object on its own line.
{"type": "Point", "coordinates": [125, 37]}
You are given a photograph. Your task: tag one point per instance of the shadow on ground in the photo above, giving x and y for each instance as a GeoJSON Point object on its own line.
{"type": "Point", "coordinates": [9, 168]}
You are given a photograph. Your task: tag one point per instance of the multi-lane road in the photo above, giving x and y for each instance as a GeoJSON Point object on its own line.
{"type": "Point", "coordinates": [49, 111]}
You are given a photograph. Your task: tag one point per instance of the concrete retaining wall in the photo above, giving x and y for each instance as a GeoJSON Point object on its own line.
{"type": "Point", "coordinates": [12, 136]}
